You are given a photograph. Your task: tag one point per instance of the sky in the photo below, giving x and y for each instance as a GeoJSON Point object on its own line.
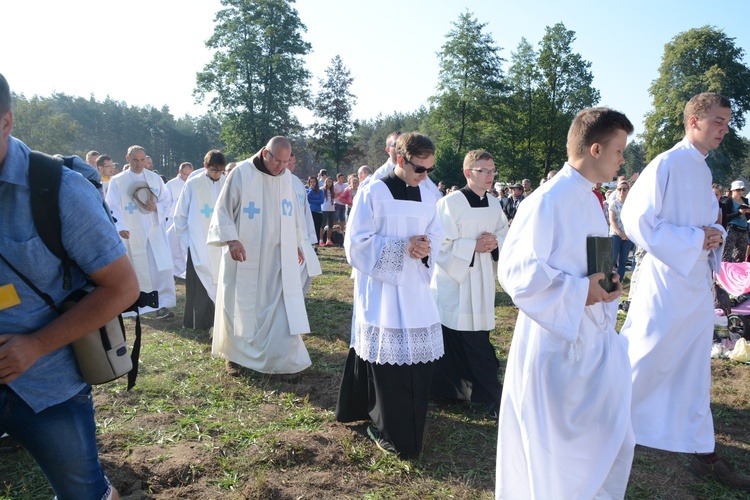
{"type": "Point", "coordinates": [147, 52]}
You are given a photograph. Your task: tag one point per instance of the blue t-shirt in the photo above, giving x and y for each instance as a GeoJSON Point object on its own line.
{"type": "Point", "coordinates": [91, 241]}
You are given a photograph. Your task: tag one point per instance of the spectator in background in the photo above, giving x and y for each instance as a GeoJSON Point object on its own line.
{"type": "Point", "coordinates": [735, 218]}
{"type": "Point", "coordinates": [512, 204]}
{"type": "Point", "coordinates": [526, 187]}
{"type": "Point", "coordinates": [230, 166]}
{"type": "Point", "coordinates": [339, 208]}
{"type": "Point", "coordinates": [622, 245]}
{"type": "Point", "coordinates": [347, 197]}
{"type": "Point", "coordinates": [327, 208]}
{"type": "Point", "coordinates": [315, 197]}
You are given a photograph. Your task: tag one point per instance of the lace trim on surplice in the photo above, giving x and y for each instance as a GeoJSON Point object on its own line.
{"type": "Point", "coordinates": [398, 346]}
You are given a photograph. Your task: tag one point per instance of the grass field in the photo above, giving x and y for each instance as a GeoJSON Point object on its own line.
{"type": "Point", "coordinates": [189, 430]}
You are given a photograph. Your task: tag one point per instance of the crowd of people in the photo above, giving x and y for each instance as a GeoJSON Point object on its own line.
{"type": "Point", "coordinates": [576, 398]}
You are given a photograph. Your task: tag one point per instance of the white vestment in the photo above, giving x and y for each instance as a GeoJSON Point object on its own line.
{"type": "Point", "coordinates": [260, 307]}
{"type": "Point", "coordinates": [193, 212]}
{"type": "Point", "coordinates": [564, 428]}
{"type": "Point", "coordinates": [311, 266]}
{"type": "Point", "coordinates": [465, 292]}
{"type": "Point", "coordinates": [147, 246]}
{"type": "Point", "coordinates": [669, 327]}
{"type": "Point", "coordinates": [386, 327]}
{"type": "Point", "coordinates": [178, 248]}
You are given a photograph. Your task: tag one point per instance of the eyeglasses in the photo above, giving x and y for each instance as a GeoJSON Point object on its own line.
{"type": "Point", "coordinates": [276, 160]}
{"type": "Point", "coordinates": [215, 169]}
{"type": "Point", "coordinates": [740, 189]}
{"type": "Point", "coordinates": [482, 171]}
{"type": "Point", "coordinates": [419, 169]}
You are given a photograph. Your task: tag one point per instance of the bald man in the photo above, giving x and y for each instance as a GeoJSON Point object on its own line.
{"type": "Point", "coordinates": [260, 307]}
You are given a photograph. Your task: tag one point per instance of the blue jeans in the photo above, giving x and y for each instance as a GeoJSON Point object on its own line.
{"type": "Point", "coordinates": [620, 258]}
{"type": "Point", "coordinates": [62, 440]}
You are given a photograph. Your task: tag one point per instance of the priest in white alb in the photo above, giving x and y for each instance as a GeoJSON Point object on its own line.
{"type": "Point", "coordinates": [671, 212]}
{"type": "Point", "coordinates": [260, 307]}
{"type": "Point", "coordinates": [392, 240]}
{"type": "Point", "coordinates": [191, 220]}
{"type": "Point", "coordinates": [464, 287]}
{"type": "Point", "coordinates": [139, 202]}
{"type": "Point", "coordinates": [564, 429]}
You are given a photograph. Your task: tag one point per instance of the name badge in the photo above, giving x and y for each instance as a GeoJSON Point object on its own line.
{"type": "Point", "coordinates": [8, 296]}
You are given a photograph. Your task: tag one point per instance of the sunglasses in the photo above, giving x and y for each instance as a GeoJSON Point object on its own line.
{"type": "Point", "coordinates": [418, 169]}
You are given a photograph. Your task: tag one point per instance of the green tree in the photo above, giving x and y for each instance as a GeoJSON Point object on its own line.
{"type": "Point", "coordinates": [564, 89]}
{"type": "Point", "coordinates": [698, 60]}
{"type": "Point", "coordinates": [470, 83]}
{"type": "Point", "coordinates": [635, 158]}
{"type": "Point", "coordinates": [519, 123]}
{"type": "Point", "coordinates": [41, 127]}
{"type": "Point", "coordinates": [257, 75]}
{"type": "Point", "coordinates": [333, 105]}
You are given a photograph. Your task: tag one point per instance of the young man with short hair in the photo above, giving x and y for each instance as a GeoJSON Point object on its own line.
{"type": "Point", "coordinates": [564, 427]}
{"type": "Point", "coordinates": [396, 335]}
{"type": "Point", "coordinates": [464, 286]}
{"type": "Point", "coordinates": [671, 212]}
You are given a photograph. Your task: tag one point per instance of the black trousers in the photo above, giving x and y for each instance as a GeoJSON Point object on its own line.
{"type": "Point", "coordinates": [394, 397]}
{"type": "Point", "coordinates": [199, 308]}
{"type": "Point", "coordinates": [468, 370]}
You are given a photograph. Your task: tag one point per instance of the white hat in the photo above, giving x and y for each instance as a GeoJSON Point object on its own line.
{"type": "Point", "coordinates": [738, 185]}
{"type": "Point", "coordinates": [141, 194]}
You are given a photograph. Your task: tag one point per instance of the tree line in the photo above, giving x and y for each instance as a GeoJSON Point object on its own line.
{"type": "Point", "coordinates": [517, 108]}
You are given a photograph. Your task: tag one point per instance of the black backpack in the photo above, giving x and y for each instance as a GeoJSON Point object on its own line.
{"type": "Point", "coordinates": [45, 177]}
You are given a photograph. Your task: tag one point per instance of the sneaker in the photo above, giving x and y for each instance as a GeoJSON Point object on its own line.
{"type": "Point", "coordinates": [164, 313]}
{"type": "Point", "coordinates": [329, 243]}
{"type": "Point", "coordinates": [322, 243]}
{"type": "Point", "coordinates": [720, 471]}
{"type": "Point", "coordinates": [382, 443]}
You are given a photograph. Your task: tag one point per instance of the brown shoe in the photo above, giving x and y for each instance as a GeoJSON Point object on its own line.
{"type": "Point", "coordinates": [234, 369]}
{"type": "Point", "coordinates": [721, 471]}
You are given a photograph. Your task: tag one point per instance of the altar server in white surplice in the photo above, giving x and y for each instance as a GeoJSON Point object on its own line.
{"type": "Point", "coordinates": [564, 429]}
{"type": "Point", "coordinates": [392, 240]}
{"type": "Point", "coordinates": [671, 213]}
{"type": "Point", "coordinates": [139, 202]}
{"type": "Point", "coordinates": [260, 308]}
{"type": "Point", "coordinates": [192, 217]}
{"type": "Point", "coordinates": [176, 245]}
{"type": "Point", "coordinates": [311, 265]}
{"type": "Point", "coordinates": [464, 286]}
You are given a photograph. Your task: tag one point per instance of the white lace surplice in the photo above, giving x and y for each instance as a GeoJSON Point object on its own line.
{"type": "Point", "coordinates": [395, 320]}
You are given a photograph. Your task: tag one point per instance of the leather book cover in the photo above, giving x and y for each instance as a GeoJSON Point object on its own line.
{"type": "Point", "coordinates": [599, 252]}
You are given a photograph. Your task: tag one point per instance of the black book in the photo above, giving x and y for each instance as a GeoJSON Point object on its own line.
{"type": "Point", "coordinates": [599, 253]}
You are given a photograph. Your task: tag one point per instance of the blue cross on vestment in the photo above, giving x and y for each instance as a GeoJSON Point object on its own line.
{"type": "Point", "coordinates": [207, 211]}
{"type": "Point", "coordinates": [131, 208]}
{"type": "Point", "coordinates": [251, 210]}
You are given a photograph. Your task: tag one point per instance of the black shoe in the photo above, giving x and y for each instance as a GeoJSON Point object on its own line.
{"type": "Point", "coordinates": [381, 442]}
{"type": "Point", "coordinates": [721, 471]}
{"type": "Point", "coordinates": [164, 313]}
{"type": "Point", "coordinates": [234, 369]}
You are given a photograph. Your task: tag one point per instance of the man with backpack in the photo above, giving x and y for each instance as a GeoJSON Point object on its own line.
{"type": "Point", "coordinates": [44, 403]}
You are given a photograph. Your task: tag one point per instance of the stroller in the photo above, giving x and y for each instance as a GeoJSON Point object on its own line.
{"type": "Point", "coordinates": [734, 277]}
